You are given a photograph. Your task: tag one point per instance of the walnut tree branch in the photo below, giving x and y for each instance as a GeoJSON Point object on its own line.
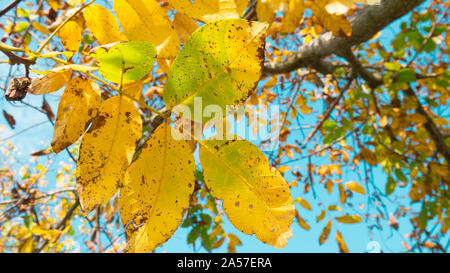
{"type": "Point", "coordinates": [9, 7]}
{"type": "Point", "coordinates": [365, 25]}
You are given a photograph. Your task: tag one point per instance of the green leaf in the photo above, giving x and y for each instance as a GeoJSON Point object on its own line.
{"type": "Point", "coordinates": [400, 175]}
{"type": "Point", "coordinates": [192, 236]}
{"type": "Point", "coordinates": [399, 42]}
{"type": "Point", "coordinates": [423, 217]}
{"type": "Point", "coordinates": [415, 38]}
{"type": "Point", "coordinates": [199, 176]}
{"type": "Point", "coordinates": [406, 75]}
{"type": "Point", "coordinates": [27, 220]}
{"type": "Point", "coordinates": [329, 125]}
{"type": "Point", "coordinates": [390, 186]}
{"type": "Point", "coordinates": [188, 221]}
{"type": "Point", "coordinates": [429, 46]}
{"type": "Point", "coordinates": [393, 66]}
{"type": "Point", "coordinates": [21, 26]}
{"type": "Point", "coordinates": [132, 59]}
{"type": "Point", "coordinates": [221, 62]}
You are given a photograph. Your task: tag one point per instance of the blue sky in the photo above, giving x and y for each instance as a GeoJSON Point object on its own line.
{"type": "Point", "coordinates": [356, 236]}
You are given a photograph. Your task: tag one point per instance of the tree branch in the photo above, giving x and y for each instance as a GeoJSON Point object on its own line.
{"type": "Point", "coordinates": [372, 80]}
{"type": "Point", "coordinates": [250, 14]}
{"type": "Point", "coordinates": [430, 126]}
{"type": "Point", "coordinates": [365, 25]}
{"type": "Point", "coordinates": [9, 7]}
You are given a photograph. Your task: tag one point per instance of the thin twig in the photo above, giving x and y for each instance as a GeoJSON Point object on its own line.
{"type": "Point", "coordinates": [24, 130]}
{"type": "Point", "coordinates": [9, 7]}
{"type": "Point", "coordinates": [327, 112]}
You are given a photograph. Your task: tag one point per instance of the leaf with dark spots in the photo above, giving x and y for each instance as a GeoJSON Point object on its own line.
{"type": "Point", "coordinates": [222, 70]}
{"type": "Point", "coordinates": [156, 190]}
{"type": "Point", "coordinates": [106, 151]}
{"type": "Point", "coordinates": [256, 198]}
{"type": "Point", "coordinates": [147, 21]}
{"type": "Point", "coordinates": [78, 106]}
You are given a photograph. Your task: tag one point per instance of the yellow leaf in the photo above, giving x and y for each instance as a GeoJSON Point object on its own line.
{"type": "Point", "coordinates": [77, 107]}
{"type": "Point", "coordinates": [341, 243]}
{"type": "Point", "coordinates": [321, 216]}
{"type": "Point", "coordinates": [339, 7]}
{"type": "Point", "coordinates": [333, 208]}
{"type": "Point", "coordinates": [233, 241]}
{"type": "Point", "coordinates": [241, 6]}
{"type": "Point", "coordinates": [384, 120]}
{"type": "Point", "coordinates": [429, 244]}
{"type": "Point", "coordinates": [210, 10]}
{"type": "Point", "coordinates": [54, 4]}
{"type": "Point", "coordinates": [329, 186]}
{"type": "Point", "coordinates": [219, 242]}
{"type": "Point", "coordinates": [355, 187]}
{"type": "Point", "coordinates": [294, 113]}
{"type": "Point", "coordinates": [369, 156]}
{"type": "Point", "coordinates": [439, 169]}
{"type": "Point", "coordinates": [301, 222]}
{"type": "Point", "coordinates": [102, 24]}
{"type": "Point", "coordinates": [51, 81]}
{"type": "Point", "coordinates": [27, 246]}
{"type": "Point", "coordinates": [146, 21]}
{"type": "Point", "coordinates": [70, 35]}
{"type": "Point", "coordinates": [283, 169]}
{"type": "Point", "coordinates": [342, 194]}
{"type": "Point", "coordinates": [49, 54]}
{"type": "Point", "coordinates": [184, 26]}
{"type": "Point", "coordinates": [337, 24]}
{"type": "Point", "coordinates": [293, 16]}
{"type": "Point", "coordinates": [303, 203]}
{"type": "Point", "coordinates": [256, 198]}
{"type": "Point", "coordinates": [41, 28]}
{"type": "Point", "coordinates": [133, 89]}
{"type": "Point", "coordinates": [349, 219]}
{"type": "Point", "coordinates": [47, 234]}
{"type": "Point", "coordinates": [416, 118]}
{"type": "Point", "coordinates": [325, 233]}
{"type": "Point", "coordinates": [265, 11]}
{"type": "Point", "coordinates": [76, 67]}
{"type": "Point", "coordinates": [156, 191]}
{"type": "Point", "coordinates": [75, 2]}
{"type": "Point", "coordinates": [106, 151]}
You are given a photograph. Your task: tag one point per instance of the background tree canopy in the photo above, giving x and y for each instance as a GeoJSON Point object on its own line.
{"type": "Point", "coordinates": [91, 90]}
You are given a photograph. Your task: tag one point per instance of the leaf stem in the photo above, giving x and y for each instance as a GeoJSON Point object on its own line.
{"type": "Point", "coordinates": [5, 47]}
{"type": "Point", "coordinates": [118, 89]}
